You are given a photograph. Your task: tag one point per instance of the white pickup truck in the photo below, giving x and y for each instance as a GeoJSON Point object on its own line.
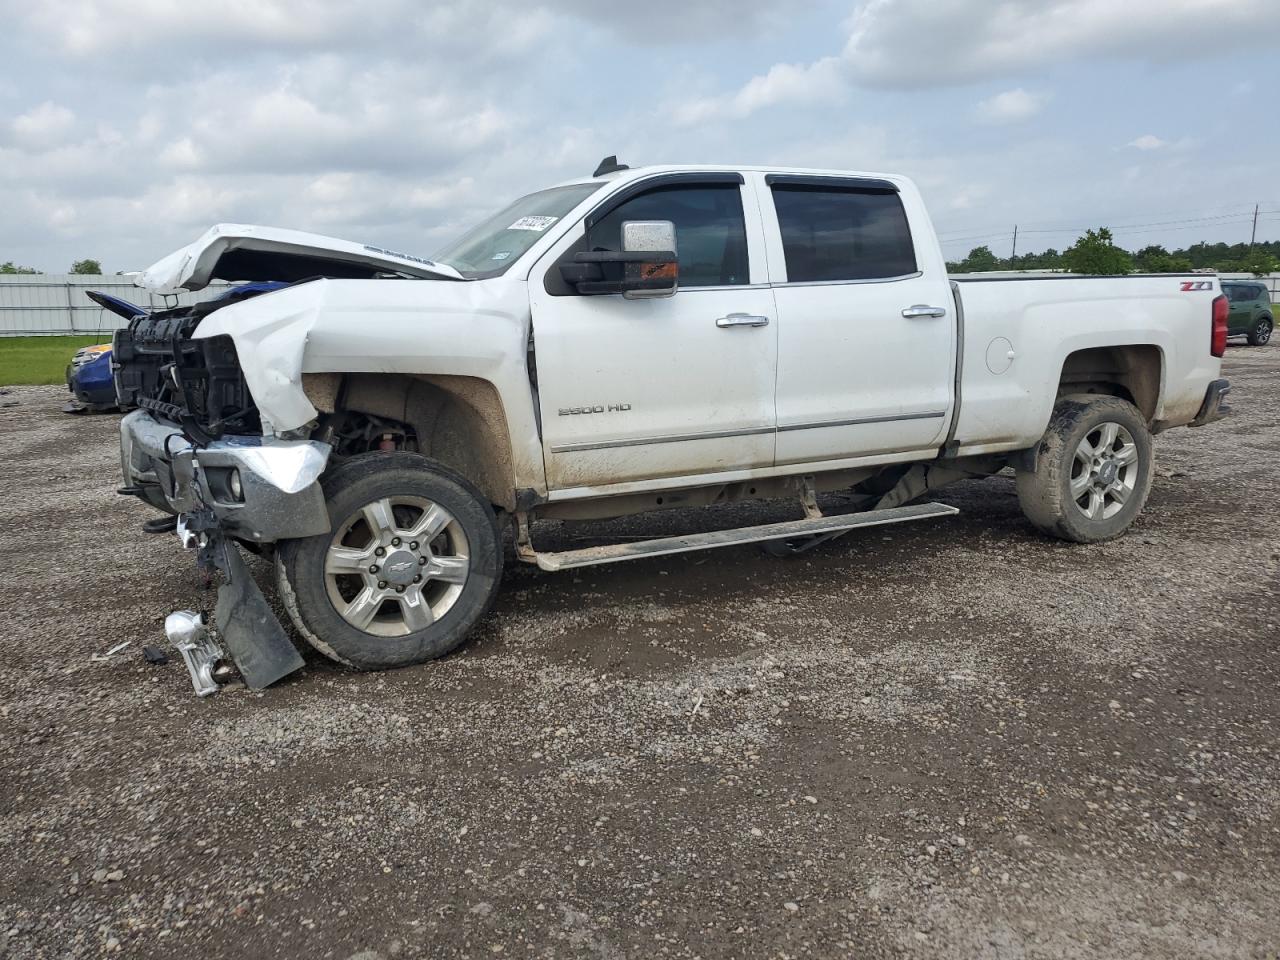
{"type": "Point", "coordinates": [636, 340]}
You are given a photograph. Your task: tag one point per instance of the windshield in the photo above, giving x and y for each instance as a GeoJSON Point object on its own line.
{"type": "Point", "coordinates": [489, 249]}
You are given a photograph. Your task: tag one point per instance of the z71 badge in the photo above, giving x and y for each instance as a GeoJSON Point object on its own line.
{"type": "Point", "coordinates": [1189, 285]}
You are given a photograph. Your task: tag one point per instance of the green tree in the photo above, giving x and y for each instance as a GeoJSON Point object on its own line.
{"type": "Point", "coordinates": [1156, 259]}
{"type": "Point", "coordinates": [10, 267]}
{"type": "Point", "coordinates": [979, 259]}
{"type": "Point", "coordinates": [1257, 261]}
{"type": "Point", "coordinates": [86, 266]}
{"type": "Point", "coordinates": [1096, 254]}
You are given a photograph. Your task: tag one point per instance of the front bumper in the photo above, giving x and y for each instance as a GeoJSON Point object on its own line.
{"type": "Point", "coordinates": [280, 494]}
{"type": "Point", "coordinates": [90, 388]}
{"type": "Point", "coordinates": [1214, 406]}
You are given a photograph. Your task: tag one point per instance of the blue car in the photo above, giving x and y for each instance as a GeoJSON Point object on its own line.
{"type": "Point", "coordinates": [89, 375]}
{"type": "Point", "coordinates": [90, 380]}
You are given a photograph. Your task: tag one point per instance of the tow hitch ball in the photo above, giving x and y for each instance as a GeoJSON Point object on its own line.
{"type": "Point", "coordinates": [188, 631]}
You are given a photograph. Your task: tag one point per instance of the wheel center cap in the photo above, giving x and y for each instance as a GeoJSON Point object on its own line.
{"type": "Point", "coordinates": [1108, 472]}
{"type": "Point", "coordinates": [399, 568]}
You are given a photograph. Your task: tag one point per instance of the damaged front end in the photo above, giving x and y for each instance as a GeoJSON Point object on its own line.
{"type": "Point", "coordinates": [234, 489]}
{"type": "Point", "coordinates": [195, 449]}
{"type": "Point", "coordinates": [223, 442]}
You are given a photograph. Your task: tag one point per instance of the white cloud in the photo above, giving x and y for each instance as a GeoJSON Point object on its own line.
{"type": "Point", "coordinates": [1012, 106]}
{"type": "Point", "coordinates": [1148, 141]}
{"type": "Point", "coordinates": [89, 28]}
{"type": "Point", "coordinates": [923, 43]}
{"type": "Point", "coordinates": [913, 44]}
{"type": "Point", "coordinates": [41, 127]}
{"type": "Point", "coordinates": [784, 83]}
{"type": "Point", "coordinates": [130, 125]}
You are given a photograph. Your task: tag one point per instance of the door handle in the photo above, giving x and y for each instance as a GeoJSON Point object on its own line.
{"type": "Point", "coordinates": [742, 320]}
{"type": "Point", "coordinates": [921, 311]}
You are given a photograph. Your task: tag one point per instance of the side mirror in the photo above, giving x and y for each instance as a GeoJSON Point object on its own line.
{"type": "Point", "coordinates": [645, 267]}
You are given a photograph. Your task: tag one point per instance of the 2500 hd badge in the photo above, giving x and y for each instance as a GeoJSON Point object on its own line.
{"type": "Point", "coordinates": [597, 408]}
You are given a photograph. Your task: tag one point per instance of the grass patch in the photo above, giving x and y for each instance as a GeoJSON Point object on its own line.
{"type": "Point", "coordinates": [40, 360]}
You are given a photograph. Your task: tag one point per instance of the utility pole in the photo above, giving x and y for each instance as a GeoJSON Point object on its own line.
{"type": "Point", "coordinates": [1253, 235]}
{"type": "Point", "coordinates": [1014, 252]}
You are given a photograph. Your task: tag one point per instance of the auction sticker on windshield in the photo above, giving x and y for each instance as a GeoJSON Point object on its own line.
{"type": "Point", "coordinates": [537, 224]}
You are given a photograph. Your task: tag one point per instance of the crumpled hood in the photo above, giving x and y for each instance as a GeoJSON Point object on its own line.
{"type": "Point", "coordinates": [232, 251]}
{"type": "Point", "coordinates": [477, 329]}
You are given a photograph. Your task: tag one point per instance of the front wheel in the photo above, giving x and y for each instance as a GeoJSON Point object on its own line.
{"type": "Point", "coordinates": [1092, 470]}
{"type": "Point", "coordinates": [1261, 332]}
{"type": "Point", "coordinates": [411, 562]}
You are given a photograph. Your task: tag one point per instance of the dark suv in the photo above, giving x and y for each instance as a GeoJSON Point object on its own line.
{"type": "Point", "coordinates": [1250, 311]}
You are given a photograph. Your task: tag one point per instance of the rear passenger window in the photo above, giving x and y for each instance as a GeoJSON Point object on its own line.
{"type": "Point", "coordinates": [829, 233]}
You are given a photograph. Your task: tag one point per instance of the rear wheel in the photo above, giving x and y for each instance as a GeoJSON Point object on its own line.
{"type": "Point", "coordinates": [412, 561]}
{"type": "Point", "coordinates": [1092, 470]}
{"type": "Point", "coordinates": [1261, 332]}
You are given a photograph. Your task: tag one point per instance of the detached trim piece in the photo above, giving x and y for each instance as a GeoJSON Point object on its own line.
{"type": "Point", "coordinates": [859, 421]}
{"type": "Point", "coordinates": [670, 438]}
{"type": "Point", "coordinates": [744, 432]}
{"type": "Point", "coordinates": [862, 184]}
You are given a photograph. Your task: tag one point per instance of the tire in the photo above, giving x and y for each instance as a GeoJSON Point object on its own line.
{"type": "Point", "coordinates": [1076, 444]}
{"type": "Point", "coordinates": [377, 502]}
{"type": "Point", "coordinates": [1260, 335]}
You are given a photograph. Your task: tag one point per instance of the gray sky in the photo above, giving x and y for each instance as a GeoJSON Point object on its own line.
{"type": "Point", "coordinates": [127, 127]}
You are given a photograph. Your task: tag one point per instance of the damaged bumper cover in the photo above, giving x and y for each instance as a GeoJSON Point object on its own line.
{"type": "Point", "coordinates": [248, 488]}
{"type": "Point", "coordinates": [258, 488]}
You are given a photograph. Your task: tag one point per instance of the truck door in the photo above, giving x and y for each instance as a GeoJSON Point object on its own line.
{"type": "Point", "coordinates": [866, 321]}
{"type": "Point", "coordinates": [635, 391]}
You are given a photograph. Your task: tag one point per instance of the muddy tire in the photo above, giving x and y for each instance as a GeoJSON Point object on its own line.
{"type": "Point", "coordinates": [412, 562]}
{"type": "Point", "coordinates": [1260, 332]}
{"type": "Point", "coordinates": [1092, 470]}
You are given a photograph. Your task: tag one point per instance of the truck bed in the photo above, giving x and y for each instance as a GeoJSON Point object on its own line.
{"type": "Point", "coordinates": [1018, 332]}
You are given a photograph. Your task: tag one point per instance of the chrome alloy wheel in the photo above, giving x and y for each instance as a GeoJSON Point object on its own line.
{"type": "Point", "coordinates": [1104, 471]}
{"type": "Point", "coordinates": [1262, 332]}
{"type": "Point", "coordinates": [396, 566]}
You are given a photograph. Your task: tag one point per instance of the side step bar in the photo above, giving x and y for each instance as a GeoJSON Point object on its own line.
{"type": "Point", "coordinates": [614, 552]}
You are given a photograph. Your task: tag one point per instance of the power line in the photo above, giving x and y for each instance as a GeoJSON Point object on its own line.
{"type": "Point", "coordinates": [1219, 218]}
{"type": "Point", "coordinates": [1238, 210]}
{"type": "Point", "coordinates": [984, 236]}
{"type": "Point", "coordinates": [1157, 226]}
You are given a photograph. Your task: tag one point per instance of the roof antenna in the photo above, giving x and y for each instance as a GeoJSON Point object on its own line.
{"type": "Point", "coordinates": [609, 164]}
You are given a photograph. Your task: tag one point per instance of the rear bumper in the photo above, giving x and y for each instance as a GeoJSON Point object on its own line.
{"type": "Point", "coordinates": [279, 480]}
{"type": "Point", "coordinates": [1214, 406]}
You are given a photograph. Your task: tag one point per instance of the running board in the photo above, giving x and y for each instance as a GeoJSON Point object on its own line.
{"type": "Point", "coordinates": [614, 552]}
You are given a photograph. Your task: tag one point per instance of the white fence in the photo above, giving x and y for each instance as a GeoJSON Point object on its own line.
{"type": "Point", "coordinates": [55, 304]}
{"type": "Point", "coordinates": [1271, 281]}
{"type": "Point", "coordinates": [51, 304]}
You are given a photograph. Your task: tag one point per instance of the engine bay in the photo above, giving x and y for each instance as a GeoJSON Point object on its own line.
{"type": "Point", "coordinates": [196, 383]}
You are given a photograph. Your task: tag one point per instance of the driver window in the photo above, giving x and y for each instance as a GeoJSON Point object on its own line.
{"type": "Point", "coordinates": [711, 234]}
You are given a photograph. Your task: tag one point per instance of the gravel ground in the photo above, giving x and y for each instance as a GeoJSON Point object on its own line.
{"type": "Point", "coordinates": [952, 739]}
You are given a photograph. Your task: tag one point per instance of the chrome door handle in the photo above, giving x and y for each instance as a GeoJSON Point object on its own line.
{"type": "Point", "coordinates": [920, 311]}
{"type": "Point", "coordinates": [742, 320]}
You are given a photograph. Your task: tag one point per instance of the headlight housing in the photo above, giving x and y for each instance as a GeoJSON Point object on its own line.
{"type": "Point", "coordinates": [85, 354]}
